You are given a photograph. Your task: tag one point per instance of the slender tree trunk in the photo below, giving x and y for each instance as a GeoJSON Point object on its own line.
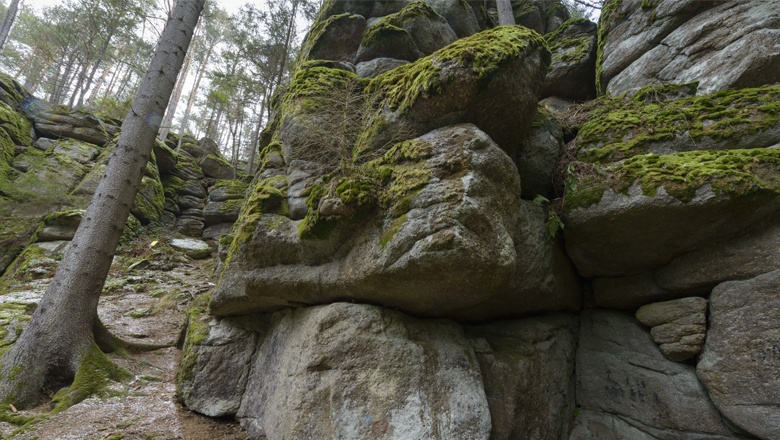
{"type": "Point", "coordinates": [290, 27]}
{"type": "Point", "coordinates": [177, 91]}
{"type": "Point", "coordinates": [203, 118]}
{"type": "Point", "coordinates": [8, 22]}
{"type": "Point", "coordinates": [125, 81]}
{"type": "Point", "coordinates": [186, 120]}
{"type": "Point", "coordinates": [61, 335]}
{"type": "Point", "coordinates": [256, 137]}
{"type": "Point", "coordinates": [66, 79]}
{"type": "Point", "coordinates": [95, 68]}
{"type": "Point", "coordinates": [79, 84]}
{"type": "Point", "coordinates": [505, 15]}
{"type": "Point", "coordinates": [53, 92]}
{"type": "Point", "coordinates": [114, 77]}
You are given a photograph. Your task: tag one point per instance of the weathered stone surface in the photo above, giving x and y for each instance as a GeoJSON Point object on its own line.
{"type": "Point", "coordinates": [497, 95]}
{"type": "Point", "coordinates": [556, 104]}
{"type": "Point", "coordinates": [149, 201]}
{"type": "Point", "coordinates": [429, 30]}
{"type": "Point", "coordinates": [336, 38]}
{"type": "Point", "coordinates": [697, 272]}
{"type": "Point", "coordinates": [187, 168]}
{"type": "Point", "coordinates": [426, 246]}
{"type": "Point", "coordinates": [648, 210]}
{"type": "Point", "coordinates": [51, 176]}
{"type": "Point", "coordinates": [730, 46]}
{"type": "Point", "coordinates": [351, 371]}
{"type": "Point", "coordinates": [377, 66]}
{"type": "Point", "coordinates": [678, 326]}
{"type": "Point", "coordinates": [740, 360]}
{"type": "Point", "coordinates": [217, 167]}
{"type": "Point", "coordinates": [209, 145]}
{"type": "Point", "coordinates": [528, 370]}
{"type": "Point", "coordinates": [222, 212]}
{"type": "Point", "coordinates": [55, 121]}
{"type": "Point", "coordinates": [81, 152]}
{"type": "Point", "coordinates": [165, 157]}
{"type": "Point", "coordinates": [216, 362]}
{"type": "Point", "coordinates": [195, 189]}
{"type": "Point", "coordinates": [573, 71]}
{"type": "Point", "coordinates": [544, 279]}
{"type": "Point", "coordinates": [620, 371]}
{"type": "Point", "coordinates": [538, 154]}
{"type": "Point", "coordinates": [190, 226]}
{"type": "Point", "coordinates": [213, 232]}
{"type": "Point", "coordinates": [596, 425]}
{"type": "Point", "coordinates": [228, 190]}
{"type": "Point", "coordinates": [192, 248]}
{"type": "Point", "coordinates": [388, 42]}
{"type": "Point", "coordinates": [628, 31]}
{"type": "Point", "coordinates": [556, 14]}
{"type": "Point", "coordinates": [44, 144]}
{"type": "Point", "coordinates": [190, 202]}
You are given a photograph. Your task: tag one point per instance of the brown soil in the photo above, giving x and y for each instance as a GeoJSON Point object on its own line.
{"type": "Point", "coordinates": [147, 408]}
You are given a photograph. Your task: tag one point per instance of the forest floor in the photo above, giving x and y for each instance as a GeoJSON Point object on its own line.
{"type": "Point", "coordinates": [147, 306]}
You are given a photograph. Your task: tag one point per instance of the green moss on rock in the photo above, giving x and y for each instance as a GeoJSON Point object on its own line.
{"type": "Point", "coordinates": [628, 127]}
{"type": "Point", "coordinates": [737, 173]}
{"type": "Point", "coordinates": [484, 53]}
{"type": "Point", "coordinates": [575, 48]}
{"type": "Point", "coordinates": [609, 15]}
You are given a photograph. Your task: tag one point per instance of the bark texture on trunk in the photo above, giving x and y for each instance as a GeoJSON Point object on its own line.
{"type": "Point", "coordinates": [8, 22]}
{"type": "Point", "coordinates": [505, 15]}
{"type": "Point", "coordinates": [60, 338]}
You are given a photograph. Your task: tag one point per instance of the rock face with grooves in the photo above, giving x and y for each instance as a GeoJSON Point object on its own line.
{"type": "Point", "coordinates": [740, 359]}
{"type": "Point", "coordinates": [573, 70]}
{"type": "Point", "coordinates": [354, 371]}
{"type": "Point", "coordinates": [725, 45]}
{"type": "Point", "coordinates": [621, 372]}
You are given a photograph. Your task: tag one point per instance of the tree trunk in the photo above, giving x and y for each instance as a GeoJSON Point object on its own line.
{"type": "Point", "coordinates": [506, 16]}
{"type": "Point", "coordinates": [79, 84]}
{"type": "Point", "coordinates": [8, 22]}
{"type": "Point", "coordinates": [177, 91]}
{"type": "Point", "coordinates": [62, 333]}
{"type": "Point", "coordinates": [95, 67]}
{"type": "Point", "coordinates": [290, 27]}
{"type": "Point", "coordinates": [191, 100]}
{"type": "Point", "coordinates": [66, 79]}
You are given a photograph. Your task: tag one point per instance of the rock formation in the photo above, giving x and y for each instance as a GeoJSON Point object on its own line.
{"type": "Point", "coordinates": [452, 257]}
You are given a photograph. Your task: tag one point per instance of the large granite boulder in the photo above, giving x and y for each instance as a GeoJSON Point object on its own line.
{"type": "Point", "coordinates": [573, 70]}
{"type": "Point", "coordinates": [740, 360]}
{"type": "Point", "coordinates": [625, 381]}
{"type": "Point", "coordinates": [490, 79]}
{"type": "Point", "coordinates": [724, 45]}
{"type": "Point", "coordinates": [377, 66]}
{"type": "Point", "coordinates": [385, 40]}
{"type": "Point", "coordinates": [544, 278]}
{"type": "Point", "coordinates": [643, 212]}
{"type": "Point", "coordinates": [334, 38]}
{"type": "Point", "coordinates": [528, 370]}
{"type": "Point", "coordinates": [429, 30]}
{"type": "Point", "coordinates": [347, 371]}
{"type": "Point", "coordinates": [442, 220]}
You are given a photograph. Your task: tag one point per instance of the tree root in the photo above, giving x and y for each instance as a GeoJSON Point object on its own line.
{"type": "Point", "coordinates": [109, 343]}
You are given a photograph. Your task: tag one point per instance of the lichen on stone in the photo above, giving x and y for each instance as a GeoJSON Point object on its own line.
{"type": "Point", "coordinates": [569, 50]}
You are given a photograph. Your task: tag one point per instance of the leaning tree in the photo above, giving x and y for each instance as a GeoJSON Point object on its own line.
{"type": "Point", "coordinates": [65, 340]}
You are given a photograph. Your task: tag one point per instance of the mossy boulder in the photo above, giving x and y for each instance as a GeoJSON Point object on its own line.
{"type": "Point", "coordinates": [334, 38]}
{"type": "Point", "coordinates": [215, 166]}
{"type": "Point", "coordinates": [16, 124]}
{"type": "Point", "coordinates": [12, 93]}
{"type": "Point", "coordinates": [434, 214]}
{"type": "Point", "coordinates": [166, 157]}
{"type": "Point", "coordinates": [458, 13]}
{"type": "Point", "coordinates": [530, 14]}
{"type": "Point", "coordinates": [187, 168]}
{"type": "Point", "coordinates": [573, 71]}
{"type": "Point", "coordinates": [490, 79]}
{"type": "Point", "coordinates": [57, 121]}
{"type": "Point", "coordinates": [555, 15]}
{"type": "Point", "coordinates": [149, 201]}
{"type": "Point", "coordinates": [729, 119]}
{"type": "Point", "coordinates": [385, 40]}
{"type": "Point", "coordinates": [48, 182]}
{"type": "Point", "coordinates": [643, 212]}
{"type": "Point", "coordinates": [81, 152]}
{"type": "Point", "coordinates": [428, 30]}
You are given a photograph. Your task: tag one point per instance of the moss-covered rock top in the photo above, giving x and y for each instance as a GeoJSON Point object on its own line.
{"type": "Point", "coordinates": [628, 127]}
{"type": "Point", "coordinates": [484, 53]}
{"type": "Point", "coordinates": [570, 50]}
{"type": "Point", "coordinates": [388, 27]}
{"type": "Point", "coordinates": [734, 172]}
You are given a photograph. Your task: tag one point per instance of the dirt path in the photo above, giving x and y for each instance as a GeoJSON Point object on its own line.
{"type": "Point", "coordinates": [147, 306]}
